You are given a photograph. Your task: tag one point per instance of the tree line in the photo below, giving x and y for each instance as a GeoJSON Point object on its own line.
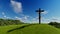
{"type": "Point", "coordinates": [9, 22]}
{"type": "Point", "coordinates": [55, 24]}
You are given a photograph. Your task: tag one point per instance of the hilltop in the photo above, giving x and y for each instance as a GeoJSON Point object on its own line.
{"type": "Point", "coordinates": [30, 29]}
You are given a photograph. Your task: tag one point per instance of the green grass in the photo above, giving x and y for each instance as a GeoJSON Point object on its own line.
{"type": "Point", "coordinates": [4, 29]}
{"type": "Point", "coordinates": [31, 29]}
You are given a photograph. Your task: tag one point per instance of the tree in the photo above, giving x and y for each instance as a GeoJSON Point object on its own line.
{"type": "Point", "coordinates": [9, 22]}
{"type": "Point", "coordinates": [55, 24]}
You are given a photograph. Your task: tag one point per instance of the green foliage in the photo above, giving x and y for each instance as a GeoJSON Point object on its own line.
{"type": "Point", "coordinates": [9, 22]}
{"type": "Point", "coordinates": [55, 24]}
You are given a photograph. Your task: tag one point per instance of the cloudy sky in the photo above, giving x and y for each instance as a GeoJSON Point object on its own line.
{"type": "Point", "coordinates": [25, 10]}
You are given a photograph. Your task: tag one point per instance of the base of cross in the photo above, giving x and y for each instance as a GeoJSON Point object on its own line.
{"type": "Point", "coordinates": [39, 22]}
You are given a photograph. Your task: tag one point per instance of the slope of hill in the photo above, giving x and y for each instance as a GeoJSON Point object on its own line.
{"type": "Point", "coordinates": [5, 29]}
{"type": "Point", "coordinates": [36, 29]}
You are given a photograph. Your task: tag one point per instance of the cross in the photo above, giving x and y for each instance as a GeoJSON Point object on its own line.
{"type": "Point", "coordinates": [39, 12]}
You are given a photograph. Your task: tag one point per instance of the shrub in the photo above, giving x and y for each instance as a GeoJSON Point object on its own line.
{"type": "Point", "coordinates": [55, 24]}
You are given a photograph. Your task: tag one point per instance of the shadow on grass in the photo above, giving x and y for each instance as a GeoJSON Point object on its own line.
{"type": "Point", "coordinates": [19, 28]}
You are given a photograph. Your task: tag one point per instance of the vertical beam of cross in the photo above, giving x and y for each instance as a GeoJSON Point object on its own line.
{"type": "Point", "coordinates": [39, 12]}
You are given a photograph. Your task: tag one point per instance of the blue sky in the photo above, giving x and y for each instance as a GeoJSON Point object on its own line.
{"type": "Point", "coordinates": [24, 10]}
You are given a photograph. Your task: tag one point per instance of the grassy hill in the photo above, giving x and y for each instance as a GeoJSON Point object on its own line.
{"type": "Point", "coordinates": [5, 29]}
{"type": "Point", "coordinates": [29, 29]}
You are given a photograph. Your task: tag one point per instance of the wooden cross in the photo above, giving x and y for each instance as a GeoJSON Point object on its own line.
{"type": "Point", "coordinates": [39, 12]}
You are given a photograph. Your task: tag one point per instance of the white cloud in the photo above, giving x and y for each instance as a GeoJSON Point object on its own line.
{"type": "Point", "coordinates": [3, 13]}
{"type": "Point", "coordinates": [57, 19]}
{"type": "Point", "coordinates": [17, 6]}
{"type": "Point", "coordinates": [23, 19]}
{"type": "Point", "coordinates": [45, 20]}
{"type": "Point", "coordinates": [52, 19]}
{"type": "Point", "coordinates": [35, 20]}
{"type": "Point", "coordinates": [4, 16]}
{"type": "Point", "coordinates": [17, 18]}
{"type": "Point", "coordinates": [45, 12]}
{"type": "Point", "coordinates": [8, 17]}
